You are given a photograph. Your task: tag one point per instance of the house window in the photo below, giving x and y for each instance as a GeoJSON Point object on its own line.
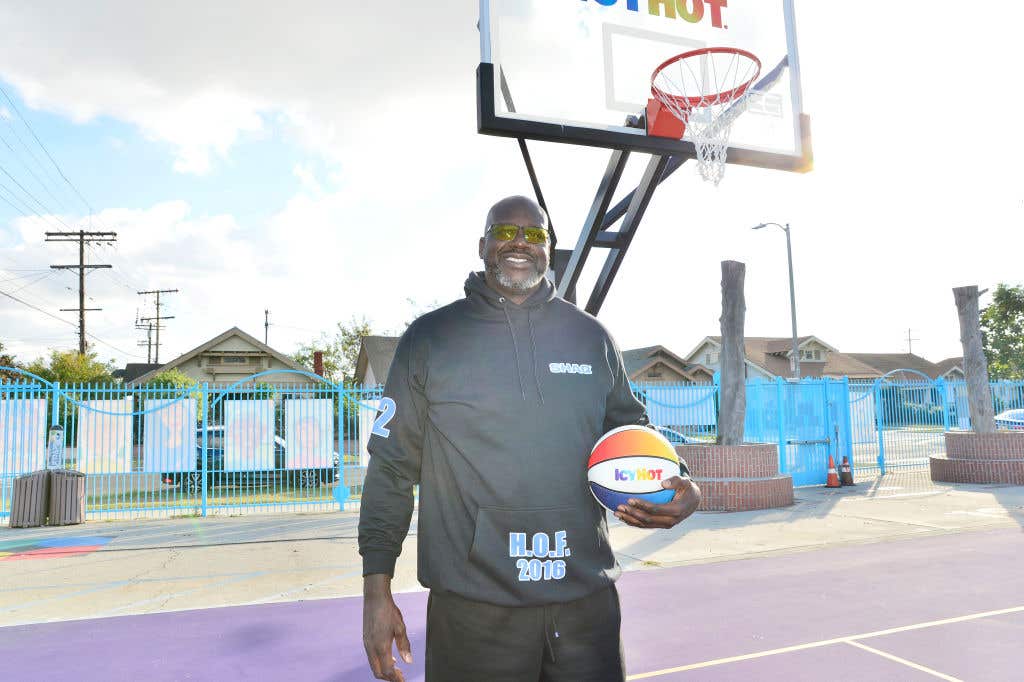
{"type": "Point", "coordinates": [236, 360]}
{"type": "Point", "coordinates": [710, 358]}
{"type": "Point", "coordinates": [817, 355]}
{"type": "Point", "coordinates": [653, 374]}
{"type": "Point", "coordinates": [213, 361]}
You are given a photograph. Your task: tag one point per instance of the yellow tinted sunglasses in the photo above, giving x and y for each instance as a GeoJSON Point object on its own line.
{"type": "Point", "coordinates": [506, 232]}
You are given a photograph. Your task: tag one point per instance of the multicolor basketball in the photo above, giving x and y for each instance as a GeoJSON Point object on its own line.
{"type": "Point", "coordinates": [630, 462]}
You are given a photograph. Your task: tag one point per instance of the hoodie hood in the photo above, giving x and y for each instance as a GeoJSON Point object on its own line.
{"type": "Point", "coordinates": [480, 293]}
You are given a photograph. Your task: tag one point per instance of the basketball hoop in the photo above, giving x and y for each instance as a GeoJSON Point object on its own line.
{"type": "Point", "coordinates": [705, 89]}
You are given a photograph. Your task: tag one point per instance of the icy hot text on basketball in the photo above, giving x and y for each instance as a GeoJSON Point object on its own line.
{"type": "Point", "coordinates": [638, 474]}
{"type": "Point", "coordinates": [692, 11]}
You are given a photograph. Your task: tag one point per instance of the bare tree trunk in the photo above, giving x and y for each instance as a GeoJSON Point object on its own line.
{"type": "Point", "coordinates": [733, 398]}
{"type": "Point", "coordinates": [979, 396]}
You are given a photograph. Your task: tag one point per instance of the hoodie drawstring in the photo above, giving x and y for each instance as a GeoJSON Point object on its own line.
{"type": "Point", "coordinates": [533, 352]}
{"type": "Point", "coordinates": [515, 347]}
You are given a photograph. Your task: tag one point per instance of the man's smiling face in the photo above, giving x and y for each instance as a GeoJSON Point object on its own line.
{"type": "Point", "coordinates": [514, 268]}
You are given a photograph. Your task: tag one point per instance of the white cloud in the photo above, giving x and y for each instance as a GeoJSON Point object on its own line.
{"type": "Point", "coordinates": [915, 189]}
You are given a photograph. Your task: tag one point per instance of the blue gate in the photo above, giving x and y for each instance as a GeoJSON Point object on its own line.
{"type": "Point", "coordinates": [808, 419]}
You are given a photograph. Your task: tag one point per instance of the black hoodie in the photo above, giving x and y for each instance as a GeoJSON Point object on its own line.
{"type": "Point", "coordinates": [496, 407]}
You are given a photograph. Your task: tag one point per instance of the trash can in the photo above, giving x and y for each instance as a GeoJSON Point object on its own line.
{"type": "Point", "coordinates": [30, 500]}
{"type": "Point", "coordinates": [67, 497]}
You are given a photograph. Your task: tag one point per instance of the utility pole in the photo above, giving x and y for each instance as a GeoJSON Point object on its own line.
{"type": "Point", "coordinates": [266, 327]}
{"type": "Point", "coordinates": [158, 317]}
{"type": "Point", "coordinates": [149, 335]}
{"type": "Point", "coordinates": [148, 343]}
{"type": "Point", "coordinates": [910, 342]}
{"type": "Point", "coordinates": [83, 238]}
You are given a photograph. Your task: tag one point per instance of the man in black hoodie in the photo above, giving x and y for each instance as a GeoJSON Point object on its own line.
{"type": "Point", "coordinates": [492, 406]}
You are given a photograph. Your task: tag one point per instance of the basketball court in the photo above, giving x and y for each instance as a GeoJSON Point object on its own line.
{"type": "Point", "coordinates": [946, 607]}
{"type": "Point", "coordinates": [896, 578]}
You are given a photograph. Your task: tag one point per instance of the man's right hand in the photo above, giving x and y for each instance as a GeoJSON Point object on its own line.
{"type": "Point", "coordinates": [382, 626]}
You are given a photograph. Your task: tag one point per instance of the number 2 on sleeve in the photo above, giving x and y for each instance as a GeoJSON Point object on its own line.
{"type": "Point", "coordinates": [387, 412]}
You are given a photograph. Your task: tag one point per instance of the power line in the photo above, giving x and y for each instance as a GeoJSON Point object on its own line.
{"type": "Point", "coordinates": [39, 164]}
{"type": "Point", "coordinates": [32, 173]}
{"type": "Point", "coordinates": [68, 322]}
{"type": "Point", "coordinates": [45, 150]}
{"type": "Point", "coordinates": [33, 198]}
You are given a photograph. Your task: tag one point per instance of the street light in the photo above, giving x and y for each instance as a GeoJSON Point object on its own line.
{"type": "Point", "coordinates": [795, 362]}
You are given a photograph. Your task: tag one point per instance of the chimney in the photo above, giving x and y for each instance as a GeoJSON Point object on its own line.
{"type": "Point", "coordinates": [318, 362]}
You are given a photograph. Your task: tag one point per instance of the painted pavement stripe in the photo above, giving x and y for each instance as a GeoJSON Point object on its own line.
{"type": "Point", "coordinates": [911, 664]}
{"type": "Point", "coordinates": [826, 642]}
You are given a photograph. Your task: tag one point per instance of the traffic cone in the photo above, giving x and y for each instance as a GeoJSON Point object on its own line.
{"type": "Point", "coordinates": [833, 477]}
{"type": "Point", "coordinates": [845, 475]}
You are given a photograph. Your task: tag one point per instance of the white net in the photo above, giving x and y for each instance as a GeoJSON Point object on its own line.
{"type": "Point", "coordinates": [706, 90]}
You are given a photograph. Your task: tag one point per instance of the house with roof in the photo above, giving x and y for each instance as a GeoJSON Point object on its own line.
{"type": "Point", "coordinates": [659, 365]}
{"type": "Point", "coordinates": [374, 360]}
{"type": "Point", "coordinates": [768, 357]}
{"type": "Point", "coordinates": [896, 364]}
{"type": "Point", "coordinates": [653, 364]}
{"type": "Point", "coordinates": [230, 357]}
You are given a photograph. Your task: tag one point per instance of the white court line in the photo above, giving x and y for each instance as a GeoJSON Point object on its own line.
{"type": "Point", "coordinates": [824, 642]}
{"type": "Point", "coordinates": [897, 659]}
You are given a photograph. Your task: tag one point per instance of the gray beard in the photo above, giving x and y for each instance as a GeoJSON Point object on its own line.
{"type": "Point", "coordinates": [504, 280]}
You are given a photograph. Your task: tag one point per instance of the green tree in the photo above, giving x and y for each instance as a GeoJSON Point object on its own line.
{"type": "Point", "coordinates": [171, 378]}
{"type": "Point", "coordinates": [1002, 329]}
{"type": "Point", "coordinates": [72, 367]}
{"type": "Point", "coordinates": [7, 360]}
{"type": "Point", "coordinates": [340, 350]}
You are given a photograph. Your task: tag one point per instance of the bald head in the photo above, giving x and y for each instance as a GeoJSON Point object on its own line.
{"type": "Point", "coordinates": [517, 210]}
{"type": "Point", "coordinates": [515, 267]}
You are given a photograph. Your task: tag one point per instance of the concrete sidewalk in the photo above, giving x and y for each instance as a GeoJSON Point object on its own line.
{"type": "Point", "coordinates": [162, 565]}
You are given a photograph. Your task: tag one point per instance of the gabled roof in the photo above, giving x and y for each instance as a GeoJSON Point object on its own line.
{"type": "Point", "coordinates": [638, 358]}
{"type": "Point", "coordinates": [892, 362]}
{"type": "Point", "coordinates": [134, 370]}
{"type": "Point", "coordinates": [771, 355]}
{"type": "Point", "coordinates": [944, 366]}
{"type": "Point", "coordinates": [375, 352]}
{"type": "Point", "coordinates": [234, 331]}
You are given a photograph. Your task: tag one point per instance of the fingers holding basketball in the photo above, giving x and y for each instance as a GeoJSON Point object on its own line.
{"type": "Point", "coordinates": [640, 513]}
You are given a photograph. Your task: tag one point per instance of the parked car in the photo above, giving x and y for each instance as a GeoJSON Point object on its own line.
{"type": "Point", "coordinates": [675, 437]}
{"type": "Point", "coordinates": [1010, 419]}
{"type": "Point", "coordinates": [192, 481]}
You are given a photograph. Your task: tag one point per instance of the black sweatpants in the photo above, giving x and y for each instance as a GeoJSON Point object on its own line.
{"type": "Point", "coordinates": [578, 641]}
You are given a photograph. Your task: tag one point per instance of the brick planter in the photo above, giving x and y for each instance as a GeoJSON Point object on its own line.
{"type": "Point", "coordinates": [981, 458]}
{"type": "Point", "coordinates": [738, 477]}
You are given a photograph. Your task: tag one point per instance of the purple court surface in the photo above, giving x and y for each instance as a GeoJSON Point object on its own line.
{"type": "Point", "coordinates": [948, 607]}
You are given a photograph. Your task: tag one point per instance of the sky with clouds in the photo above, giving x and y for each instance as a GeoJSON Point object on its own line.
{"type": "Point", "coordinates": [321, 160]}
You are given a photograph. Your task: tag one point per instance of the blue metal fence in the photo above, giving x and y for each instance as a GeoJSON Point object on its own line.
{"type": "Point", "coordinates": [165, 450]}
{"type": "Point", "coordinates": [253, 445]}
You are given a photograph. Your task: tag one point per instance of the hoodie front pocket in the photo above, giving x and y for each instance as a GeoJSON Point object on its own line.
{"type": "Point", "coordinates": [538, 556]}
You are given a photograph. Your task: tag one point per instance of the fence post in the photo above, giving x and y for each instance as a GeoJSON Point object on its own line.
{"type": "Point", "coordinates": [880, 426]}
{"type": "Point", "coordinates": [847, 422]}
{"type": "Point", "coordinates": [944, 397]}
{"type": "Point", "coordinates": [206, 413]}
{"type": "Point", "coordinates": [780, 398]}
{"type": "Point", "coordinates": [54, 407]}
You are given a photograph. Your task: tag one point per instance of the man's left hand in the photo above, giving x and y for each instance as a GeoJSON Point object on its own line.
{"type": "Point", "coordinates": [643, 514]}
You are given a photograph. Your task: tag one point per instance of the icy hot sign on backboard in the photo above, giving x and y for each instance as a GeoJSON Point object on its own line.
{"type": "Point", "coordinates": [574, 70]}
